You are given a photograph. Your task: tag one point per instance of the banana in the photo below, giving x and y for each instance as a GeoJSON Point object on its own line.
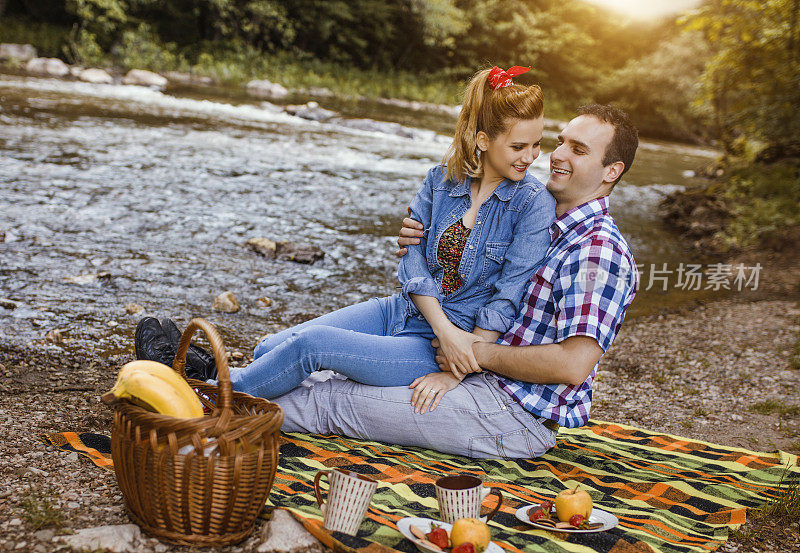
{"type": "Point", "coordinates": [170, 377]}
{"type": "Point", "coordinates": [156, 387]}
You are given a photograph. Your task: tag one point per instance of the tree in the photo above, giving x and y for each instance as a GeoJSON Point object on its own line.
{"type": "Point", "coordinates": [657, 90]}
{"type": "Point", "coordinates": [752, 81]}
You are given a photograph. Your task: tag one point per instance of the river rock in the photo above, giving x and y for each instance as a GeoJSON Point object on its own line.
{"type": "Point", "coordinates": [17, 52]}
{"type": "Point", "coordinates": [53, 67]}
{"type": "Point", "coordinates": [96, 76]}
{"type": "Point", "coordinates": [188, 79]}
{"type": "Point", "coordinates": [2, 236]}
{"type": "Point", "coordinates": [8, 304]}
{"type": "Point", "coordinates": [267, 89]}
{"type": "Point", "coordinates": [119, 539]}
{"type": "Point", "coordinates": [265, 302]}
{"type": "Point", "coordinates": [88, 278]}
{"type": "Point", "coordinates": [319, 92]}
{"type": "Point", "coordinates": [55, 336]}
{"type": "Point", "coordinates": [226, 302]}
{"type": "Point", "coordinates": [419, 106]}
{"type": "Point", "coordinates": [387, 127]}
{"type": "Point", "coordinates": [284, 533]}
{"type": "Point", "coordinates": [310, 111]}
{"type": "Point", "coordinates": [264, 246]}
{"type": "Point", "coordinates": [133, 309]}
{"type": "Point", "coordinates": [299, 253]}
{"type": "Point", "coordinates": [142, 77]}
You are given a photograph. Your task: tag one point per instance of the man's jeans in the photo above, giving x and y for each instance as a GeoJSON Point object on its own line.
{"type": "Point", "coordinates": [358, 342]}
{"type": "Point", "coordinates": [476, 419]}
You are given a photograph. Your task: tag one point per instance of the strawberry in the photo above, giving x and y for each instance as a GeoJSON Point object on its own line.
{"type": "Point", "coordinates": [547, 506]}
{"type": "Point", "coordinates": [465, 547]}
{"type": "Point", "coordinates": [576, 520]}
{"type": "Point", "coordinates": [438, 537]}
{"type": "Point", "coordinates": [537, 514]}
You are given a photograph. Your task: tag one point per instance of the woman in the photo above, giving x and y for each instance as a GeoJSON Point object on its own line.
{"type": "Point", "coordinates": [486, 229]}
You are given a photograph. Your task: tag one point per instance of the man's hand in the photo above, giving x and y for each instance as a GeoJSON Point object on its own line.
{"type": "Point", "coordinates": [410, 234]}
{"type": "Point", "coordinates": [430, 389]}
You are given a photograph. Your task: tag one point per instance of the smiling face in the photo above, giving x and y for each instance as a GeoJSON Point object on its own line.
{"type": "Point", "coordinates": [509, 154]}
{"type": "Point", "coordinates": [577, 174]}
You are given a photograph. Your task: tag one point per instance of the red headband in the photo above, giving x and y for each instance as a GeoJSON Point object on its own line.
{"type": "Point", "coordinates": [499, 78]}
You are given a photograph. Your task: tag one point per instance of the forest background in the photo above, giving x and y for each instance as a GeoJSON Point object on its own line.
{"type": "Point", "coordinates": [726, 73]}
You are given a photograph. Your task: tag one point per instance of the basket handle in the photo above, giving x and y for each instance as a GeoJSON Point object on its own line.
{"type": "Point", "coordinates": [225, 397]}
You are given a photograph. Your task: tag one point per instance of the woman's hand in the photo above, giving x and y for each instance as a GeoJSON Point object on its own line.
{"type": "Point", "coordinates": [430, 389]}
{"type": "Point", "coordinates": [456, 345]}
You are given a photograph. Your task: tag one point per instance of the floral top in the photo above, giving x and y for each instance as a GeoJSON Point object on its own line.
{"type": "Point", "coordinates": [451, 246]}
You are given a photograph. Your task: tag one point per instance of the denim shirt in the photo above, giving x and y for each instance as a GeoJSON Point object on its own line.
{"type": "Point", "coordinates": [505, 247]}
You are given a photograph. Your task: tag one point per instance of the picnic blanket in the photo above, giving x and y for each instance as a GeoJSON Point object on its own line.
{"type": "Point", "coordinates": [671, 494]}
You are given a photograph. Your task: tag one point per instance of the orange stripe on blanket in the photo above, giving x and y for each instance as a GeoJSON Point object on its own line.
{"type": "Point", "coordinates": [679, 537]}
{"type": "Point", "coordinates": [99, 459]}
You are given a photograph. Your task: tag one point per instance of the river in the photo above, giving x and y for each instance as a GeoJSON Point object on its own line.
{"type": "Point", "coordinates": [112, 194]}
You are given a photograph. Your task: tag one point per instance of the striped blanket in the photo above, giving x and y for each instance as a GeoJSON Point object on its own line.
{"type": "Point", "coordinates": [670, 494]}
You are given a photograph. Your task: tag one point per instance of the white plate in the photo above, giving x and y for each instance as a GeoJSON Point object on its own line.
{"type": "Point", "coordinates": [598, 515]}
{"type": "Point", "coordinates": [424, 524]}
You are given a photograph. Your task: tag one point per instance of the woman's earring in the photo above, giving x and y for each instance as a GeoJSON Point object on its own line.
{"type": "Point", "coordinates": [477, 152]}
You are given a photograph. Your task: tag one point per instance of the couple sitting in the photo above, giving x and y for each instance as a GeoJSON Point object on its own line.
{"type": "Point", "coordinates": [511, 293]}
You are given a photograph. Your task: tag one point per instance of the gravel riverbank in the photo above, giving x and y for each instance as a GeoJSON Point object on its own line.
{"type": "Point", "coordinates": [725, 371]}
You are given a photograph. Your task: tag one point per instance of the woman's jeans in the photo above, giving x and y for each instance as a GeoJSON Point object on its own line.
{"type": "Point", "coordinates": [355, 341]}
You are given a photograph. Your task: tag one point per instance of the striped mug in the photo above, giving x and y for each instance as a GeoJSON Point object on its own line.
{"type": "Point", "coordinates": [461, 496]}
{"type": "Point", "coordinates": [349, 496]}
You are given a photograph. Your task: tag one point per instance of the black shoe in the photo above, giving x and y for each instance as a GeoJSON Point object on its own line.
{"type": "Point", "coordinates": [152, 343]}
{"type": "Point", "coordinates": [200, 364]}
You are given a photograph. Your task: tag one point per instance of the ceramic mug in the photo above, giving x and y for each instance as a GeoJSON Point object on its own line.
{"type": "Point", "coordinates": [461, 496]}
{"type": "Point", "coordinates": [349, 496]}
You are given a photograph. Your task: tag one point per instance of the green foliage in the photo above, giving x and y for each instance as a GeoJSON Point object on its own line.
{"type": "Point", "coordinates": [82, 48]}
{"type": "Point", "coordinates": [763, 199]}
{"type": "Point", "coordinates": [48, 38]}
{"type": "Point", "coordinates": [772, 406]}
{"type": "Point", "coordinates": [752, 82]}
{"type": "Point", "coordinates": [141, 48]}
{"type": "Point", "coordinates": [39, 510]}
{"type": "Point", "coordinates": [421, 49]}
{"type": "Point", "coordinates": [657, 89]}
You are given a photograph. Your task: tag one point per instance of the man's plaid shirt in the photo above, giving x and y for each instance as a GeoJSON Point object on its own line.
{"type": "Point", "coordinates": [585, 284]}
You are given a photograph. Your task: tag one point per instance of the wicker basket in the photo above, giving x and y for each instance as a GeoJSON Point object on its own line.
{"type": "Point", "coordinates": [198, 481]}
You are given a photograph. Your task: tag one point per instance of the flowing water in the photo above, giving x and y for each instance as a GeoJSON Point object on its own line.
{"type": "Point", "coordinates": [111, 195]}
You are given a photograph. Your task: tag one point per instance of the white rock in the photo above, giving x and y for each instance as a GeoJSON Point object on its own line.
{"type": "Point", "coordinates": [76, 70]}
{"type": "Point", "coordinates": [267, 89]}
{"type": "Point", "coordinates": [47, 66]}
{"type": "Point", "coordinates": [44, 535]}
{"type": "Point", "coordinates": [226, 302]}
{"type": "Point", "coordinates": [188, 79]}
{"type": "Point", "coordinates": [86, 279]}
{"type": "Point", "coordinates": [284, 533]}
{"type": "Point", "coordinates": [119, 539]}
{"type": "Point", "coordinates": [95, 75]}
{"type": "Point", "coordinates": [19, 52]}
{"type": "Point", "coordinates": [144, 78]}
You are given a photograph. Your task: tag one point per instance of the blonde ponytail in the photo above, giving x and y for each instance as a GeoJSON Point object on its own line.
{"type": "Point", "coordinates": [489, 110]}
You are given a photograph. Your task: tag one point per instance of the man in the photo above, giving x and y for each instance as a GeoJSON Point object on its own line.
{"type": "Point", "coordinates": [539, 374]}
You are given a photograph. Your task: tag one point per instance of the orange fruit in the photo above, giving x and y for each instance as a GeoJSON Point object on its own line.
{"type": "Point", "coordinates": [470, 530]}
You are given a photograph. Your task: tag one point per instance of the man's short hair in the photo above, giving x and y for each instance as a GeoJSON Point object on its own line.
{"type": "Point", "coordinates": [625, 140]}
